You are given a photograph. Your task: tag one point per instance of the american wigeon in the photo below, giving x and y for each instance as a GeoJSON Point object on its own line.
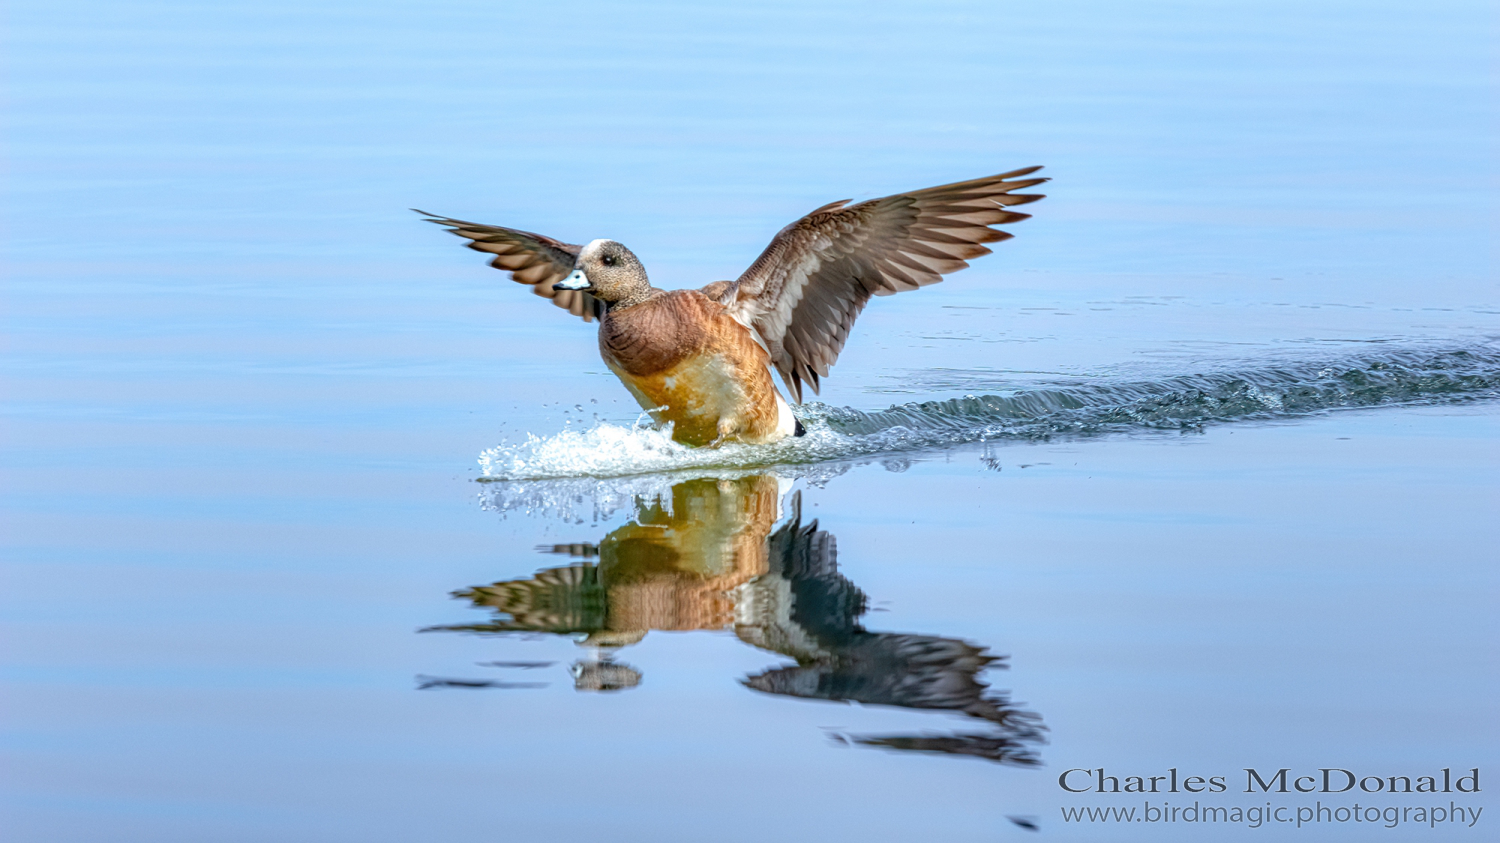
{"type": "Point", "coordinates": [699, 358]}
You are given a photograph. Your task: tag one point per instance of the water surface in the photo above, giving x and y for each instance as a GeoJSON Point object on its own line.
{"type": "Point", "coordinates": [1197, 472]}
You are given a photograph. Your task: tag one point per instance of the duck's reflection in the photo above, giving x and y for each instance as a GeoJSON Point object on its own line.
{"type": "Point", "coordinates": [716, 559]}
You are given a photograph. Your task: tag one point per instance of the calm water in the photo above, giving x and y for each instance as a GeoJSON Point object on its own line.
{"type": "Point", "coordinates": [315, 528]}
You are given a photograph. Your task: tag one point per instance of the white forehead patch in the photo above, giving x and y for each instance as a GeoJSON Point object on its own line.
{"type": "Point", "coordinates": [592, 247]}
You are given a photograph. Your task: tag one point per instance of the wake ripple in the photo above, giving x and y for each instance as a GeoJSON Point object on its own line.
{"type": "Point", "coordinates": [1393, 376]}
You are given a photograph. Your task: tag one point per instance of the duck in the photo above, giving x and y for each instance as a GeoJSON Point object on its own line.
{"type": "Point", "coordinates": [699, 361]}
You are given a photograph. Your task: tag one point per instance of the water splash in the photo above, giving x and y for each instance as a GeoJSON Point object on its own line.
{"type": "Point", "coordinates": [593, 499]}
{"type": "Point", "coordinates": [1254, 391]}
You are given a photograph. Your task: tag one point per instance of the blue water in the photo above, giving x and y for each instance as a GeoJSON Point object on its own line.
{"type": "Point", "coordinates": [1198, 471]}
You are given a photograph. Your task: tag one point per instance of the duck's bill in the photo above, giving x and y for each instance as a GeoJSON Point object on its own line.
{"type": "Point", "coordinates": [576, 281]}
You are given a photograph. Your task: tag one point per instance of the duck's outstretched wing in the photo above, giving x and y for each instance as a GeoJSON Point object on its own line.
{"type": "Point", "coordinates": [535, 260]}
{"type": "Point", "coordinates": [803, 293]}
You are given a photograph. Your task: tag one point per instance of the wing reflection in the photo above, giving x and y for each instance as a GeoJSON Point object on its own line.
{"type": "Point", "coordinates": [713, 558]}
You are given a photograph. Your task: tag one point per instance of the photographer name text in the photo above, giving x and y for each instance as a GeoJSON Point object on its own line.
{"type": "Point", "coordinates": [1283, 780]}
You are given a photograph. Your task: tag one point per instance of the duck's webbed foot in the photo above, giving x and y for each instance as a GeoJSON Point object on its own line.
{"type": "Point", "coordinates": [726, 432]}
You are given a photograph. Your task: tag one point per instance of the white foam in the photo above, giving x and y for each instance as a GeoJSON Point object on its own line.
{"type": "Point", "coordinates": [605, 450]}
{"type": "Point", "coordinates": [588, 475]}
{"type": "Point", "coordinates": [611, 450]}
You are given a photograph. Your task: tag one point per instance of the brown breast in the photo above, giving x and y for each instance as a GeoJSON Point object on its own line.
{"type": "Point", "coordinates": [654, 336]}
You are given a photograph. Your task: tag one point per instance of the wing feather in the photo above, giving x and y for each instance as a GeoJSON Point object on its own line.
{"type": "Point", "coordinates": [802, 295]}
{"type": "Point", "coordinates": [532, 259]}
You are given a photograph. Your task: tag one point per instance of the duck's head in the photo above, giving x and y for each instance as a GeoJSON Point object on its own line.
{"type": "Point", "coordinates": [609, 272]}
